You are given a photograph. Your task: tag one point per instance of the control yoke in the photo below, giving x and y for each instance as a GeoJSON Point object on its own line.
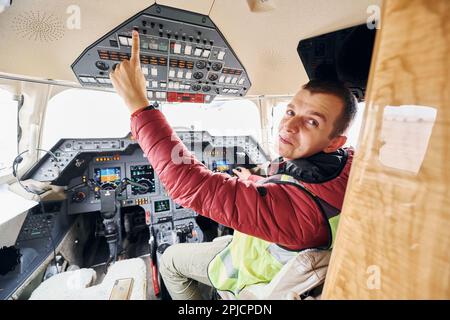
{"type": "Point", "coordinates": [108, 210]}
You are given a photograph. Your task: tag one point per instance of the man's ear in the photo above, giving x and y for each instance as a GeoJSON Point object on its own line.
{"type": "Point", "coordinates": [335, 144]}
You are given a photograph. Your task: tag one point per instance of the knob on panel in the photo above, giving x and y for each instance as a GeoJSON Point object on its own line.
{"type": "Point", "coordinates": [200, 64]}
{"type": "Point", "coordinates": [78, 197]}
{"type": "Point", "coordinates": [198, 75]}
{"type": "Point", "coordinates": [102, 65]}
{"type": "Point", "coordinates": [213, 77]}
{"type": "Point", "coordinates": [216, 66]}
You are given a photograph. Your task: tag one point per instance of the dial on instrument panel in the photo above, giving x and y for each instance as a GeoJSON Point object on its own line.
{"type": "Point", "coordinates": [176, 45]}
{"type": "Point", "coordinates": [198, 75]}
{"type": "Point", "coordinates": [216, 66]}
{"type": "Point", "coordinates": [213, 77]}
{"type": "Point", "coordinates": [102, 65]}
{"type": "Point", "coordinates": [200, 64]}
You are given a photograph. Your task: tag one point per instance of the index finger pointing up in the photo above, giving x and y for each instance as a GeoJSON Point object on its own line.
{"type": "Point", "coordinates": [135, 52]}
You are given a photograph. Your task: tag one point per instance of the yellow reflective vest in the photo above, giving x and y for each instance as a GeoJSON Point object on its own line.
{"type": "Point", "coordinates": [248, 260]}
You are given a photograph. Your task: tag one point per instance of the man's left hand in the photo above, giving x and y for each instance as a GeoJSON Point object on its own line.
{"type": "Point", "coordinates": [129, 81]}
{"type": "Point", "coordinates": [242, 173]}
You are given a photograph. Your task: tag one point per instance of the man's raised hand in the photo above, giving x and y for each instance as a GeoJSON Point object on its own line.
{"type": "Point", "coordinates": [129, 81]}
{"type": "Point", "coordinates": [135, 50]}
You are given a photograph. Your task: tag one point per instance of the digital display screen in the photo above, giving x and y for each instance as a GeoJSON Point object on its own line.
{"type": "Point", "coordinates": [162, 205]}
{"type": "Point", "coordinates": [221, 166]}
{"type": "Point", "coordinates": [143, 174]}
{"type": "Point", "coordinates": [103, 175]}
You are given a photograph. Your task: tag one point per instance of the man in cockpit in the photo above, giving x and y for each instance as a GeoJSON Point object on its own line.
{"type": "Point", "coordinates": [295, 208]}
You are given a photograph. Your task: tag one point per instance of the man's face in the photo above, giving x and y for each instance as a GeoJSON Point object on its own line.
{"type": "Point", "coordinates": [307, 125]}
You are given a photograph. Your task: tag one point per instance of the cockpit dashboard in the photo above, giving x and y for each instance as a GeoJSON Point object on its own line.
{"type": "Point", "coordinates": [89, 169]}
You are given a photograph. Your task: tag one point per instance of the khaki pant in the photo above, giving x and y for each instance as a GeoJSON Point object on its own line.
{"type": "Point", "coordinates": [184, 266]}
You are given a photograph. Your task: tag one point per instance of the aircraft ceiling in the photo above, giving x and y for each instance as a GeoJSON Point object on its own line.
{"type": "Point", "coordinates": [265, 42]}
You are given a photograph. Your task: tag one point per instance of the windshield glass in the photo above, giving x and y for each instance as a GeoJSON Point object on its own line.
{"type": "Point", "coordinates": [8, 131]}
{"type": "Point", "coordinates": [80, 113]}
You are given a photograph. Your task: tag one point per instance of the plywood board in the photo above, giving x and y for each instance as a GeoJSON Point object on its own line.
{"type": "Point", "coordinates": [393, 239]}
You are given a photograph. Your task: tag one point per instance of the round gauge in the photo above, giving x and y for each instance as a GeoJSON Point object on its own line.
{"type": "Point", "coordinates": [206, 88]}
{"type": "Point", "coordinates": [102, 65]}
{"type": "Point", "coordinates": [198, 75]}
{"type": "Point", "coordinates": [200, 64]}
{"type": "Point", "coordinates": [196, 87]}
{"type": "Point", "coordinates": [213, 77]}
{"type": "Point", "coordinates": [216, 66]}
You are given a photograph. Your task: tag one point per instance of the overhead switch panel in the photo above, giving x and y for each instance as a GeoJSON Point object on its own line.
{"type": "Point", "coordinates": [182, 49]}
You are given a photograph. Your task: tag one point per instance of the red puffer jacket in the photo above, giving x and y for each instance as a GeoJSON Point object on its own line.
{"type": "Point", "coordinates": [283, 214]}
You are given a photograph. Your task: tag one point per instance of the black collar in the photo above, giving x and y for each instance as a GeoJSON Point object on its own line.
{"type": "Point", "coordinates": [318, 168]}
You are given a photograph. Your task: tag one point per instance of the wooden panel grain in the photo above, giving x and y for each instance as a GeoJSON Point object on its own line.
{"type": "Point", "coordinates": [393, 240]}
{"type": "Point", "coordinates": [122, 289]}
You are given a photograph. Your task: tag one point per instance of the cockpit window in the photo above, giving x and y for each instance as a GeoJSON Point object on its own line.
{"type": "Point", "coordinates": [277, 114]}
{"type": "Point", "coordinates": [78, 113]}
{"type": "Point", "coordinates": [8, 131]}
{"type": "Point", "coordinates": [220, 118]}
{"type": "Point", "coordinates": [81, 113]}
{"type": "Point", "coordinates": [355, 127]}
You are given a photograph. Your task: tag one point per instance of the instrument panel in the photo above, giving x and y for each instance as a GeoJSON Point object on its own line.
{"type": "Point", "coordinates": [184, 57]}
{"type": "Point", "coordinates": [88, 166]}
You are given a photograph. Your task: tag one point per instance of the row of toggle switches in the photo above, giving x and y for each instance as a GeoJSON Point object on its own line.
{"type": "Point", "coordinates": [95, 80]}
{"type": "Point", "coordinates": [172, 85]}
{"type": "Point", "coordinates": [232, 80]}
{"type": "Point", "coordinates": [180, 74]}
{"type": "Point", "coordinates": [177, 47]}
{"type": "Point", "coordinates": [189, 50]}
{"type": "Point", "coordinates": [152, 71]}
{"type": "Point", "coordinates": [157, 95]}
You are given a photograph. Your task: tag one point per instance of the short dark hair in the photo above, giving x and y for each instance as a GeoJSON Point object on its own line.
{"type": "Point", "coordinates": [339, 90]}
